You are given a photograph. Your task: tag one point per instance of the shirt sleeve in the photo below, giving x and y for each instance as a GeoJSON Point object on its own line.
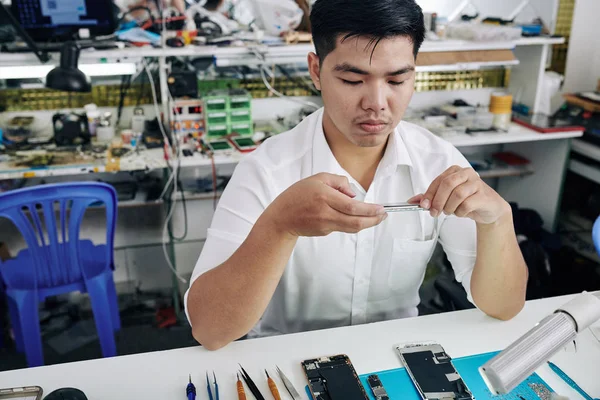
{"type": "Point", "coordinates": [246, 196]}
{"type": "Point", "coordinates": [458, 237]}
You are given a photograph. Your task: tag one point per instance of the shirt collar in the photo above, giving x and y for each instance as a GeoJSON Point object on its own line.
{"type": "Point", "coordinates": [396, 154]}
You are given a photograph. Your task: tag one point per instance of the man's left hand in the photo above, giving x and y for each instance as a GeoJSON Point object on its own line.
{"type": "Point", "coordinates": [460, 191]}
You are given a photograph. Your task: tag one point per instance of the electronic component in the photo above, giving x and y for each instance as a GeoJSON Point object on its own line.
{"type": "Point", "coordinates": [333, 378]}
{"type": "Point", "coordinates": [70, 129]}
{"type": "Point", "coordinates": [57, 21]}
{"type": "Point", "coordinates": [433, 373]}
{"type": "Point", "coordinates": [187, 117]}
{"type": "Point", "coordinates": [377, 387]}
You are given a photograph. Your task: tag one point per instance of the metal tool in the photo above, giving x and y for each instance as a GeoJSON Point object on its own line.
{"type": "Point", "coordinates": [209, 390]}
{"type": "Point", "coordinates": [240, 389]}
{"type": "Point", "coordinates": [273, 387]}
{"type": "Point", "coordinates": [190, 390]}
{"type": "Point", "coordinates": [569, 381]}
{"type": "Point", "coordinates": [251, 385]}
{"type": "Point", "coordinates": [288, 385]}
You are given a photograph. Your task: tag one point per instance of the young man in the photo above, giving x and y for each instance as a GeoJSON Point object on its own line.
{"type": "Point", "coordinates": [300, 240]}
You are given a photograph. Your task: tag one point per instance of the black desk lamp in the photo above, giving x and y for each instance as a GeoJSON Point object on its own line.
{"type": "Point", "coordinates": [66, 77]}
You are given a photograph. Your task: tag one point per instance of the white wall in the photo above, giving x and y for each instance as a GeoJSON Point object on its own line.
{"type": "Point", "coordinates": [583, 62]}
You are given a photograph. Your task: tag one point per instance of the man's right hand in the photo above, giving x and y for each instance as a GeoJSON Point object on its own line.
{"type": "Point", "coordinates": [319, 205]}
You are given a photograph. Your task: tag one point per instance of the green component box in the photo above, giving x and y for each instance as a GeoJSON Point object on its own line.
{"type": "Point", "coordinates": [241, 128]}
{"type": "Point", "coordinates": [217, 130]}
{"type": "Point", "coordinates": [240, 116]}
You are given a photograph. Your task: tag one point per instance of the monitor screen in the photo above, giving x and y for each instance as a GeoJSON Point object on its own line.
{"type": "Point", "coordinates": [60, 19]}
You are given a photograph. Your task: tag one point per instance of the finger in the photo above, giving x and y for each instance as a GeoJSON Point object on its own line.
{"type": "Point", "coordinates": [339, 183]}
{"type": "Point", "coordinates": [344, 205]}
{"type": "Point", "coordinates": [447, 185]}
{"type": "Point", "coordinates": [416, 199]}
{"type": "Point", "coordinates": [433, 188]}
{"type": "Point", "coordinates": [459, 195]}
{"type": "Point", "coordinates": [467, 207]}
{"type": "Point", "coordinates": [346, 224]}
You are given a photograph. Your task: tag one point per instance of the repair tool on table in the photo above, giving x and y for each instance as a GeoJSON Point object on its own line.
{"type": "Point", "coordinates": [251, 385]}
{"type": "Point", "coordinates": [273, 387]}
{"type": "Point", "coordinates": [569, 381]}
{"type": "Point", "coordinates": [190, 390]}
{"type": "Point", "coordinates": [208, 389]}
{"type": "Point", "coordinates": [240, 388]}
{"type": "Point", "coordinates": [288, 385]}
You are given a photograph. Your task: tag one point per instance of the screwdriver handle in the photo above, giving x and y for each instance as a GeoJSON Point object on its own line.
{"type": "Point", "coordinates": [191, 392]}
{"type": "Point", "coordinates": [240, 390]}
{"type": "Point", "coordinates": [274, 389]}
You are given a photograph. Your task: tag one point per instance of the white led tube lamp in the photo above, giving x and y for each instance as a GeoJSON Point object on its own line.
{"type": "Point", "coordinates": [518, 361]}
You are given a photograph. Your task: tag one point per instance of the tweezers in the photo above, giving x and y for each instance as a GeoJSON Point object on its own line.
{"type": "Point", "coordinates": [251, 385]}
{"type": "Point", "coordinates": [210, 394]}
{"type": "Point", "coordinates": [288, 385]}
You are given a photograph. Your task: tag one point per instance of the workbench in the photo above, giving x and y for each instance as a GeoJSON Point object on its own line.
{"type": "Point", "coordinates": [164, 375]}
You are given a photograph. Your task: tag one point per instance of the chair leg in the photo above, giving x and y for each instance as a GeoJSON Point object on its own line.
{"type": "Point", "coordinates": [15, 321]}
{"type": "Point", "coordinates": [111, 292]}
{"type": "Point", "coordinates": [29, 323]}
{"type": "Point", "coordinates": [97, 289]}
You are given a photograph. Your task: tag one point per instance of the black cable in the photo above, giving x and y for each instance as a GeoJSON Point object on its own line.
{"type": "Point", "coordinates": [125, 85]}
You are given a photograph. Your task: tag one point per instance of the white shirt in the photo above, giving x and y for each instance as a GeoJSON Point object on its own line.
{"type": "Point", "coordinates": [344, 279]}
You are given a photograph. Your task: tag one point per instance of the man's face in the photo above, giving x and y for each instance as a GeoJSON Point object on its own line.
{"type": "Point", "coordinates": [365, 93]}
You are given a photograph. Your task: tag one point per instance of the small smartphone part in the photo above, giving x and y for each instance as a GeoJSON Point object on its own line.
{"type": "Point", "coordinates": [377, 388]}
{"type": "Point", "coordinates": [402, 207]}
{"type": "Point", "coordinates": [219, 146]}
{"type": "Point", "coordinates": [432, 372]}
{"type": "Point", "coordinates": [243, 144]}
{"type": "Point", "coordinates": [22, 393]}
{"type": "Point", "coordinates": [333, 378]}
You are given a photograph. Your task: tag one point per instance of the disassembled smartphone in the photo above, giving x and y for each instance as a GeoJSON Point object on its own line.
{"type": "Point", "coordinates": [243, 144]}
{"type": "Point", "coordinates": [400, 207]}
{"type": "Point", "coordinates": [377, 388]}
{"type": "Point", "coordinates": [432, 372]}
{"type": "Point", "coordinates": [22, 393]}
{"type": "Point", "coordinates": [333, 378]}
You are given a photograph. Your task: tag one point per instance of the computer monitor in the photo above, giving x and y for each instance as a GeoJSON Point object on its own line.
{"type": "Point", "coordinates": [59, 20]}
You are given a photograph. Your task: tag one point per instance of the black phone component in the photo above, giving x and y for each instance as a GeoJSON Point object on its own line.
{"type": "Point", "coordinates": [377, 387]}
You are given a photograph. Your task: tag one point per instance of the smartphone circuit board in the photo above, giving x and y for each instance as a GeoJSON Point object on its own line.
{"type": "Point", "coordinates": [333, 378]}
{"type": "Point", "coordinates": [432, 372]}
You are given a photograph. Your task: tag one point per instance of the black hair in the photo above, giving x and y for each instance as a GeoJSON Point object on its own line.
{"type": "Point", "coordinates": [375, 19]}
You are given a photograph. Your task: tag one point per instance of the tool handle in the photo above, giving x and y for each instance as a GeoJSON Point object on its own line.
{"type": "Point", "coordinates": [241, 392]}
{"type": "Point", "coordinates": [191, 392]}
{"type": "Point", "coordinates": [274, 389]}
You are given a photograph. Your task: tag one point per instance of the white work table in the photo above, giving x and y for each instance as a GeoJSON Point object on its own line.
{"type": "Point", "coordinates": [164, 375]}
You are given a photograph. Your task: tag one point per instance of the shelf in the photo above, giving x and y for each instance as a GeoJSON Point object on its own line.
{"type": "Point", "coordinates": [227, 56]}
{"type": "Point", "coordinates": [516, 134]}
{"type": "Point", "coordinates": [587, 149]}
{"type": "Point", "coordinates": [587, 171]}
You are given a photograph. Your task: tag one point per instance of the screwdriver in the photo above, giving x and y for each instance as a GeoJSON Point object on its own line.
{"type": "Point", "coordinates": [273, 387]}
{"type": "Point", "coordinates": [240, 389]}
{"type": "Point", "coordinates": [191, 390]}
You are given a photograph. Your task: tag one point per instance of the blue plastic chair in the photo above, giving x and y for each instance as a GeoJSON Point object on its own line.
{"type": "Point", "coordinates": [56, 261]}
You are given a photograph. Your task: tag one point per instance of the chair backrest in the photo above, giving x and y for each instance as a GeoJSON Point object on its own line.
{"type": "Point", "coordinates": [55, 249]}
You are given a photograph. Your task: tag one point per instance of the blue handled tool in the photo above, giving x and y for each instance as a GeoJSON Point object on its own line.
{"type": "Point", "coordinates": [569, 381]}
{"type": "Point", "coordinates": [191, 390]}
{"type": "Point", "coordinates": [210, 393]}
